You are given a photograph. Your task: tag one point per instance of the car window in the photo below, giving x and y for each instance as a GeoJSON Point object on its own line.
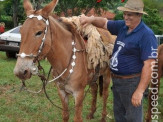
{"type": "Point", "coordinates": [16, 30]}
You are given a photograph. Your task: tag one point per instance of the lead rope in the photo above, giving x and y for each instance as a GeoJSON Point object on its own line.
{"type": "Point", "coordinates": [44, 82]}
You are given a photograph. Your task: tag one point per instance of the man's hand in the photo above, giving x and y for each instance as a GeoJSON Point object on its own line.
{"type": "Point", "coordinates": [137, 98]}
{"type": "Point", "coordinates": [99, 22]}
{"type": "Point", "coordinates": [144, 81]}
{"type": "Point", "coordinates": [84, 20]}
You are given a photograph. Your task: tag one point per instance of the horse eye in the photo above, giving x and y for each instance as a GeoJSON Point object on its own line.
{"type": "Point", "coordinates": [39, 33]}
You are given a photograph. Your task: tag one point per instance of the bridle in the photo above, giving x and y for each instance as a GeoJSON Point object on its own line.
{"type": "Point", "coordinates": [74, 50]}
{"type": "Point", "coordinates": [39, 17]}
{"type": "Point", "coordinates": [42, 76]}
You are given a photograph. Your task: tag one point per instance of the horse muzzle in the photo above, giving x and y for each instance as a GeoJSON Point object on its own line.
{"type": "Point", "coordinates": [25, 68]}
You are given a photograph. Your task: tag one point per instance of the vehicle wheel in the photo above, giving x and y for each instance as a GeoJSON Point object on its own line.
{"type": "Point", "coordinates": [11, 54]}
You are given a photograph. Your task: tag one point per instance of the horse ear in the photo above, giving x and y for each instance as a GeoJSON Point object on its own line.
{"type": "Point", "coordinates": [49, 8]}
{"type": "Point", "coordinates": [27, 6]}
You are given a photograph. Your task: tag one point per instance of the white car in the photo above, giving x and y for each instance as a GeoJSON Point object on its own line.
{"type": "Point", "coordinates": [10, 41]}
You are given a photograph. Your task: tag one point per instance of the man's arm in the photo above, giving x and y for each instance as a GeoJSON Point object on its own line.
{"type": "Point", "coordinates": [144, 81]}
{"type": "Point", "coordinates": [96, 21]}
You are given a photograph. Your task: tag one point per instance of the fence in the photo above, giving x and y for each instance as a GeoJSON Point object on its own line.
{"type": "Point", "coordinates": [159, 39]}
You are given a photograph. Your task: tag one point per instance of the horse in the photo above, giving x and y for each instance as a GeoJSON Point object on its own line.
{"type": "Point", "coordinates": [155, 83]}
{"type": "Point", "coordinates": [43, 36]}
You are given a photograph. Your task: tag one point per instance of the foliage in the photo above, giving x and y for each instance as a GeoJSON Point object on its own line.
{"type": "Point", "coordinates": [77, 6]}
{"type": "Point", "coordinates": [154, 21]}
{"type": "Point", "coordinates": [9, 12]}
{"type": "Point", "coordinates": [155, 4]}
{"type": "Point", "coordinates": [63, 5]}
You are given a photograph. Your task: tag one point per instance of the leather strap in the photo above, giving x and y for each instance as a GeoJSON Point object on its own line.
{"type": "Point", "coordinates": [125, 76]}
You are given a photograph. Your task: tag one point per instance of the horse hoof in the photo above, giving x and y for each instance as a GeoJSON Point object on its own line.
{"type": "Point", "coordinates": [90, 116]}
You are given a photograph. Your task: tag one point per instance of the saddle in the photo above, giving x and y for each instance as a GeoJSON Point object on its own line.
{"type": "Point", "coordinates": [99, 43]}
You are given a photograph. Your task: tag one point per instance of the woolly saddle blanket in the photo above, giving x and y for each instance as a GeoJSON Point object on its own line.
{"type": "Point", "coordinates": [99, 43]}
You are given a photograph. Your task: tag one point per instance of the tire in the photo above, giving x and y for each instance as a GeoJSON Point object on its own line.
{"type": "Point", "coordinates": [11, 54]}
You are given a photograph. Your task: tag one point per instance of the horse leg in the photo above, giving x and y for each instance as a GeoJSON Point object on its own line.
{"type": "Point", "coordinates": [79, 96]}
{"type": "Point", "coordinates": [94, 88]}
{"type": "Point", "coordinates": [106, 82]}
{"type": "Point", "coordinates": [64, 99]}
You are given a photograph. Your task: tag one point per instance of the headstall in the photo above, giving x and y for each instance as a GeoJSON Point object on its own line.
{"type": "Point", "coordinates": [39, 17]}
{"type": "Point", "coordinates": [74, 50]}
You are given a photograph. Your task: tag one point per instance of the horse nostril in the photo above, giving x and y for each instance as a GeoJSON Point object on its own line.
{"type": "Point", "coordinates": [25, 72]}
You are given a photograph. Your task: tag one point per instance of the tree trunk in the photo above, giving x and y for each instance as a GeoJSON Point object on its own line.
{"type": "Point", "coordinates": [39, 4]}
{"type": "Point", "coordinates": [15, 12]}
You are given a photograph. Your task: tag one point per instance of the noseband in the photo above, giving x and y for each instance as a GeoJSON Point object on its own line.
{"type": "Point", "coordinates": [39, 17]}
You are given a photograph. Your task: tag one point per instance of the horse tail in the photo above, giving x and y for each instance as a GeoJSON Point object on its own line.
{"type": "Point", "coordinates": [101, 85]}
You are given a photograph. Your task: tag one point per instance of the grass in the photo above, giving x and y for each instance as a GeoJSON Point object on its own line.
{"type": "Point", "coordinates": [16, 106]}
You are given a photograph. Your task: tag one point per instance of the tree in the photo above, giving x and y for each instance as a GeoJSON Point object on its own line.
{"type": "Point", "coordinates": [14, 10]}
{"type": "Point", "coordinates": [77, 6]}
{"type": "Point", "coordinates": [154, 20]}
{"type": "Point", "coordinates": [155, 4]}
{"type": "Point", "coordinates": [15, 4]}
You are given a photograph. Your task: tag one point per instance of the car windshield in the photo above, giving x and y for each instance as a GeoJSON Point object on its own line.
{"type": "Point", "coordinates": [16, 30]}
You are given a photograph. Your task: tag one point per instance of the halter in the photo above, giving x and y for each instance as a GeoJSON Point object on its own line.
{"type": "Point", "coordinates": [39, 17]}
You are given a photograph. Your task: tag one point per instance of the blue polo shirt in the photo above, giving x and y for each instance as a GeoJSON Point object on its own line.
{"type": "Point", "coordinates": [131, 50]}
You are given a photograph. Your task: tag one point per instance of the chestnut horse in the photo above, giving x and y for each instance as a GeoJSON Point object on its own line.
{"type": "Point", "coordinates": [43, 36]}
{"type": "Point", "coordinates": [155, 83]}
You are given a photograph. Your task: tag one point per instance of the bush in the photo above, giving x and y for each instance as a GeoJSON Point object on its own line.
{"type": "Point", "coordinates": [8, 22]}
{"type": "Point", "coordinates": [154, 20]}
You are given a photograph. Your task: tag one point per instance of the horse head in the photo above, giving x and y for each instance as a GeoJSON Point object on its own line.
{"type": "Point", "coordinates": [35, 39]}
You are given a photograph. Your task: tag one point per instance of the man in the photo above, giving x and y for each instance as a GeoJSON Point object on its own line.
{"type": "Point", "coordinates": [131, 59]}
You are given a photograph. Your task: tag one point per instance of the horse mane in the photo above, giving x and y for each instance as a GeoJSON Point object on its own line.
{"type": "Point", "coordinates": [73, 29]}
{"type": "Point", "coordinates": [67, 25]}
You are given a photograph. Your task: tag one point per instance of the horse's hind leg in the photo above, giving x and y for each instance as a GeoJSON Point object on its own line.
{"type": "Point", "coordinates": [64, 99]}
{"type": "Point", "coordinates": [106, 82]}
{"type": "Point", "coordinates": [94, 88]}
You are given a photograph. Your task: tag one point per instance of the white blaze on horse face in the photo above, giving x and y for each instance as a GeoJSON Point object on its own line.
{"type": "Point", "coordinates": [24, 68]}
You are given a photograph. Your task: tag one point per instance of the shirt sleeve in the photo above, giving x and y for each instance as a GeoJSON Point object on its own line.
{"type": "Point", "coordinates": [148, 47]}
{"type": "Point", "coordinates": [115, 26]}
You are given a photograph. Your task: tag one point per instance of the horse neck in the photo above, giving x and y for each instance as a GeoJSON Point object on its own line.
{"type": "Point", "coordinates": [60, 53]}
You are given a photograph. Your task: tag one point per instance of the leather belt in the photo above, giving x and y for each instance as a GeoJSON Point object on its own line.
{"type": "Point", "coordinates": [125, 76]}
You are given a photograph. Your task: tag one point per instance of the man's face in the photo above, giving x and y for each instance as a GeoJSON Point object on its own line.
{"type": "Point", "coordinates": [131, 19]}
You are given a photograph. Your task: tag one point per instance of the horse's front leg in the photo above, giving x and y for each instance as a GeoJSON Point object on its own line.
{"type": "Point", "coordinates": [79, 96]}
{"type": "Point", "coordinates": [94, 88]}
{"type": "Point", "coordinates": [64, 99]}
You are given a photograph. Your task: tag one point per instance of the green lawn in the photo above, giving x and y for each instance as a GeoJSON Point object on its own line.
{"type": "Point", "coordinates": [16, 106]}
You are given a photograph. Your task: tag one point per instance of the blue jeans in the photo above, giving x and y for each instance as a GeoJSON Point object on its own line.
{"type": "Point", "coordinates": [123, 90]}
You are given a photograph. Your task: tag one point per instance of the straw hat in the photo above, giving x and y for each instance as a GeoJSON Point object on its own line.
{"type": "Point", "coordinates": [133, 6]}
